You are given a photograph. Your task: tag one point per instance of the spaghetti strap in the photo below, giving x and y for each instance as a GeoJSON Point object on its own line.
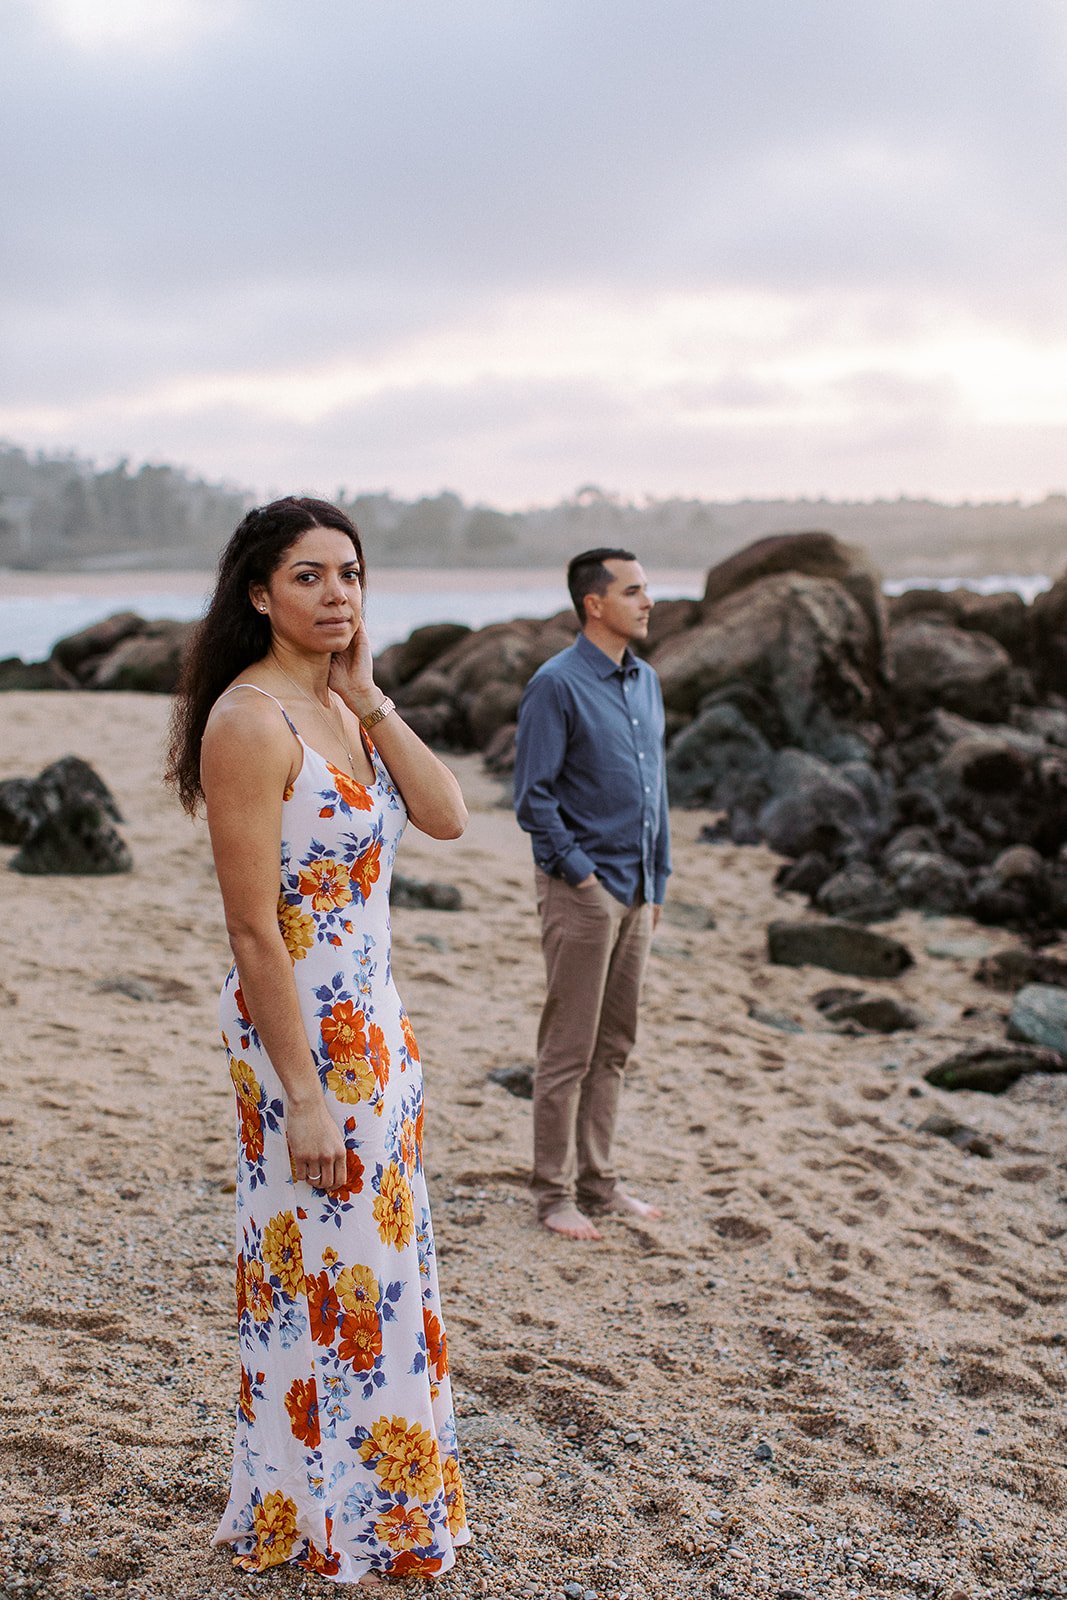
{"type": "Point", "coordinates": [277, 702]}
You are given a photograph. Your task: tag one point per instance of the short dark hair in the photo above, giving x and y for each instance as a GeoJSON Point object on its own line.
{"type": "Point", "coordinates": [587, 574]}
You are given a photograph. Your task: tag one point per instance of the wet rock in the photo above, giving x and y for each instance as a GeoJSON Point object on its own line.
{"type": "Point", "coordinates": [22, 807]}
{"type": "Point", "coordinates": [715, 759]}
{"type": "Point", "coordinates": [1039, 1016]}
{"type": "Point", "coordinates": [414, 893]}
{"type": "Point", "coordinates": [879, 1013]}
{"type": "Point", "coordinates": [839, 947]}
{"type": "Point", "coordinates": [929, 880]}
{"type": "Point", "coordinates": [935, 664]}
{"type": "Point", "coordinates": [857, 893]}
{"type": "Point", "coordinates": [1014, 968]}
{"type": "Point", "coordinates": [993, 1068]}
{"type": "Point", "coordinates": [77, 838]}
{"type": "Point", "coordinates": [516, 1080]}
{"type": "Point", "coordinates": [957, 1133]}
{"type": "Point", "coordinates": [813, 807]}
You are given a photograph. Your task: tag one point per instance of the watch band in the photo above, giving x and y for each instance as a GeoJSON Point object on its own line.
{"type": "Point", "coordinates": [378, 715]}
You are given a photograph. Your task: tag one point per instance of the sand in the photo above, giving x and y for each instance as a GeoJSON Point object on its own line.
{"type": "Point", "coordinates": [835, 1368]}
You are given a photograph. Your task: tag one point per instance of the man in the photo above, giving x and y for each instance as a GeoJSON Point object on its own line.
{"type": "Point", "coordinates": [590, 789]}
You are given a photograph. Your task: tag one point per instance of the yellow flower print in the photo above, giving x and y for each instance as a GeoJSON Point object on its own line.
{"type": "Point", "coordinates": [244, 1081]}
{"type": "Point", "coordinates": [330, 1257]}
{"type": "Point", "coordinates": [326, 881]}
{"type": "Point", "coordinates": [297, 929]}
{"type": "Point", "coordinates": [274, 1525]}
{"type": "Point", "coordinates": [281, 1250]}
{"type": "Point", "coordinates": [404, 1528]}
{"type": "Point", "coordinates": [258, 1292]}
{"type": "Point", "coordinates": [357, 1287]}
{"type": "Point", "coordinates": [351, 1081]}
{"type": "Point", "coordinates": [393, 1209]}
{"type": "Point", "coordinates": [408, 1462]}
{"type": "Point", "coordinates": [457, 1510]}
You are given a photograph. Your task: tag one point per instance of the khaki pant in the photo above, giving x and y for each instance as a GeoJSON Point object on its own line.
{"type": "Point", "coordinates": [595, 950]}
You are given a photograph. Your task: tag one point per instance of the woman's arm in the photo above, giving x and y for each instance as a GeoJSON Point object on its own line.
{"type": "Point", "coordinates": [246, 762]}
{"type": "Point", "coordinates": [431, 792]}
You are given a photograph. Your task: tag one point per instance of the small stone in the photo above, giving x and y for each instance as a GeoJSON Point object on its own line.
{"type": "Point", "coordinates": [572, 1590]}
{"type": "Point", "coordinates": [534, 1479]}
{"type": "Point", "coordinates": [775, 1019]}
{"type": "Point", "coordinates": [631, 1440]}
{"type": "Point", "coordinates": [763, 1452]}
{"type": "Point", "coordinates": [517, 1080]}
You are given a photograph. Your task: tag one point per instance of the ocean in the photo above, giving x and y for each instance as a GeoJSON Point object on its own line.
{"type": "Point", "coordinates": [37, 609]}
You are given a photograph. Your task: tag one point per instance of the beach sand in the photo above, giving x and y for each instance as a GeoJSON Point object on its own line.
{"type": "Point", "coordinates": [836, 1367]}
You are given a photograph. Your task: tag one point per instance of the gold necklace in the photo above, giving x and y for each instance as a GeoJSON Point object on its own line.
{"type": "Point", "coordinates": [322, 713]}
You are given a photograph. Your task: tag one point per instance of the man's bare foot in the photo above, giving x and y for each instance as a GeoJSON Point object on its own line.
{"type": "Point", "coordinates": [370, 1580]}
{"type": "Point", "coordinates": [571, 1223]}
{"type": "Point", "coordinates": [628, 1205]}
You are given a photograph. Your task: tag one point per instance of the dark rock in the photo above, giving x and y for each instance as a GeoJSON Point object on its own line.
{"type": "Point", "coordinates": [516, 1080]}
{"type": "Point", "coordinates": [421, 648]}
{"type": "Point", "coordinates": [34, 675]}
{"type": "Point", "coordinates": [915, 839]}
{"type": "Point", "coordinates": [1039, 1016]}
{"type": "Point", "coordinates": [1042, 722]}
{"type": "Point", "coordinates": [22, 807]}
{"type": "Point", "coordinates": [429, 688]}
{"type": "Point", "coordinates": [1048, 632]}
{"type": "Point", "coordinates": [77, 838]}
{"type": "Point", "coordinates": [432, 896]}
{"type": "Point", "coordinates": [78, 652]}
{"type": "Point", "coordinates": [494, 706]}
{"type": "Point", "coordinates": [957, 1133]}
{"type": "Point", "coordinates": [805, 876]}
{"type": "Point", "coordinates": [149, 662]}
{"type": "Point", "coordinates": [763, 1452]}
{"type": "Point", "coordinates": [879, 1013]}
{"type": "Point", "coordinates": [714, 760]}
{"type": "Point", "coordinates": [929, 880]}
{"type": "Point", "coordinates": [1014, 890]}
{"type": "Point", "coordinates": [813, 807]}
{"type": "Point", "coordinates": [70, 779]}
{"type": "Point", "coordinates": [857, 893]}
{"type": "Point", "coordinates": [839, 947]}
{"type": "Point", "coordinates": [837, 995]}
{"type": "Point", "coordinates": [1002, 617]}
{"type": "Point", "coordinates": [1013, 968]}
{"type": "Point", "coordinates": [684, 914]}
{"type": "Point", "coordinates": [935, 664]}
{"type": "Point", "coordinates": [993, 1068]}
{"type": "Point", "coordinates": [668, 618]}
{"type": "Point", "coordinates": [437, 725]}
{"type": "Point", "coordinates": [499, 753]}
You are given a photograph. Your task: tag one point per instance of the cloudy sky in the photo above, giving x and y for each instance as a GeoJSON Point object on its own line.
{"type": "Point", "coordinates": [710, 247]}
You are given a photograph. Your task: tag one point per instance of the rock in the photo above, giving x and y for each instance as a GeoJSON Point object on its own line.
{"type": "Point", "coordinates": [838, 995]}
{"type": "Point", "coordinates": [1039, 1016]}
{"type": "Point", "coordinates": [433, 896]}
{"type": "Point", "coordinates": [913, 839]}
{"type": "Point", "coordinates": [839, 947]}
{"type": "Point", "coordinates": [812, 807]}
{"type": "Point", "coordinates": [494, 706]}
{"type": "Point", "coordinates": [71, 779]}
{"type": "Point", "coordinates": [1015, 890]}
{"type": "Point", "coordinates": [1048, 723]}
{"type": "Point", "coordinates": [668, 618]}
{"type": "Point", "coordinates": [879, 1013]}
{"type": "Point", "coordinates": [803, 644]}
{"type": "Point", "coordinates": [499, 753]}
{"type": "Point", "coordinates": [423, 646]}
{"type": "Point", "coordinates": [684, 914]}
{"type": "Point", "coordinates": [805, 876]}
{"type": "Point", "coordinates": [428, 689]}
{"type": "Point", "coordinates": [957, 1133]}
{"type": "Point", "coordinates": [516, 1080]}
{"type": "Point", "coordinates": [857, 893]}
{"type": "Point", "coordinates": [149, 662]}
{"type": "Point", "coordinates": [929, 880]}
{"type": "Point", "coordinates": [76, 838]}
{"type": "Point", "coordinates": [1011, 969]}
{"type": "Point", "coordinates": [438, 725]}
{"type": "Point", "coordinates": [22, 807]}
{"type": "Point", "coordinates": [778, 1020]}
{"type": "Point", "coordinates": [18, 674]}
{"type": "Point", "coordinates": [78, 652]}
{"type": "Point", "coordinates": [1003, 616]}
{"type": "Point", "coordinates": [1048, 633]}
{"type": "Point", "coordinates": [935, 664]}
{"type": "Point", "coordinates": [763, 1452]}
{"type": "Point", "coordinates": [992, 1068]}
{"type": "Point", "coordinates": [965, 949]}
{"type": "Point", "coordinates": [717, 760]}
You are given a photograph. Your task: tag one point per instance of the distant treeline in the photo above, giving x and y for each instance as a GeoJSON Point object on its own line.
{"type": "Point", "coordinates": [61, 512]}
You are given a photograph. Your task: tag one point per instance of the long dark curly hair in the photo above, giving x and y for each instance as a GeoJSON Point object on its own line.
{"type": "Point", "coordinates": [233, 633]}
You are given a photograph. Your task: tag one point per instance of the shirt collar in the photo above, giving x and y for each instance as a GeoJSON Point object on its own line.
{"type": "Point", "coordinates": [602, 664]}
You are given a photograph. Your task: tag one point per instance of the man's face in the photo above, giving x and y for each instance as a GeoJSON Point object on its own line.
{"type": "Point", "coordinates": [625, 607]}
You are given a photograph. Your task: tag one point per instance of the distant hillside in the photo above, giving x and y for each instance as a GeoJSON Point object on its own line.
{"type": "Point", "coordinates": [61, 512]}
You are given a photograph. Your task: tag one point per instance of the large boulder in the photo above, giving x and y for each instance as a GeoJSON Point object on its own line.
{"type": "Point", "coordinates": [814, 806]}
{"type": "Point", "coordinates": [18, 674]}
{"type": "Point", "coordinates": [804, 645]}
{"type": "Point", "coordinates": [149, 661]}
{"type": "Point", "coordinates": [79, 652]}
{"type": "Point", "coordinates": [1003, 616]}
{"type": "Point", "coordinates": [839, 947]}
{"type": "Point", "coordinates": [935, 664]}
{"type": "Point", "coordinates": [718, 760]}
{"type": "Point", "coordinates": [1039, 1016]}
{"type": "Point", "coordinates": [66, 816]}
{"type": "Point", "coordinates": [399, 663]}
{"type": "Point", "coordinates": [1048, 632]}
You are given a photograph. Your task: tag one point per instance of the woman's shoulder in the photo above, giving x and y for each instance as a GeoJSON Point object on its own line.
{"type": "Point", "coordinates": [248, 713]}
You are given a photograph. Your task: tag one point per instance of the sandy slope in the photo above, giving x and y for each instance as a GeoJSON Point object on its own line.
{"type": "Point", "coordinates": [884, 1312]}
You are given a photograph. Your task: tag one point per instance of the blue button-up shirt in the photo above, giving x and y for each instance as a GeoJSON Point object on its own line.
{"type": "Point", "coordinates": [590, 778]}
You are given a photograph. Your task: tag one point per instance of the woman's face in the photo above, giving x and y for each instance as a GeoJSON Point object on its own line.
{"type": "Point", "coordinates": [314, 599]}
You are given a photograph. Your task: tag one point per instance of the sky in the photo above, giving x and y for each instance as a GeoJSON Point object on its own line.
{"type": "Point", "coordinates": [714, 248]}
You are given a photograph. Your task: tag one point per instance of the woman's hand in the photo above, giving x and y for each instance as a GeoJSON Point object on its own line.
{"type": "Point", "coordinates": [352, 673]}
{"type": "Point", "coordinates": [316, 1146]}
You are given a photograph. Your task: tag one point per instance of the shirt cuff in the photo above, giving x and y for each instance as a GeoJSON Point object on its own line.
{"type": "Point", "coordinates": [576, 867]}
{"type": "Point", "coordinates": [660, 891]}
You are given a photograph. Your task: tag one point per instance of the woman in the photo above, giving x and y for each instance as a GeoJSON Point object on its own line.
{"type": "Point", "coordinates": [345, 1451]}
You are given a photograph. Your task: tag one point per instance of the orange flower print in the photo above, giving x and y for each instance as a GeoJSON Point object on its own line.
{"type": "Point", "coordinates": [353, 794]}
{"type": "Point", "coordinates": [378, 1054]}
{"type": "Point", "coordinates": [360, 1340]}
{"type": "Point", "coordinates": [408, 1145]}
{"type": "Point", "coordinates": [404, 1528]}
{"type": "Point", "coordinates": [242, 1293]}
{"type": "Point", "coordinates": [409, 1036]}
{"type": "Point", "coordinates": [407, 1459]}
{"type": "Point", "coordinates": [242, 1009]}
{"type": "Point", "coordinates": [281, 1249]}
{"type": "Point", "coordinates": [343, 1032]}
{"type": "Point", "coordinates": [244, 1397]}
{"type": "Point", "coordinates": [418, 1132]}
{"type": "Point", "coordinates": [297, 929]}
{"type": "Point", "coordinates": [250, 1131]}
{"type": "Point", "coordinates": [274, 1525]}
{"type": "Point", "coordinates": [457, 1510]}
{"type": "Point", "coordinates": [393, 1209]}
{"type": "Point", "coordinates": [259, 1292]}
{"type": "Point", "coordinates": [436, 1343]}
{"type": "Point", "coordinates": [357, 1288]}
{"type": "Point", "coordinates": [353, 1183]}
{"type": "Point", "coordinates": [409, 1563]}
{"type": "Point", "coordinates": [315, 1560]}
{"type": "Point", "coordinates": [302, 1404]}
{"type": "Point", "coordinates": [326, 881]}
{"type": "Point", "coordinates": [365, 869]}
{"type": "Point", "coordinates": [352, 1081]}
{"type": "Point", "coordinates": [287, 793]}
{"type": "Point", "coordinates": [324, 1308]}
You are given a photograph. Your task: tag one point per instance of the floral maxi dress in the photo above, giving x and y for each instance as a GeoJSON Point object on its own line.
{"type": "Point", "coordinates": [345, 1455]}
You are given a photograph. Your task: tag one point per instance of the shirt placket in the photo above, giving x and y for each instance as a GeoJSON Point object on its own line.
{"type": "Point", "coordinates": [640, 738]}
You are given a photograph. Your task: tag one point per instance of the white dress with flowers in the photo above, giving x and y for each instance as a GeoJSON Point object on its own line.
{"type": "Point", "coordinates": [345, 1454]}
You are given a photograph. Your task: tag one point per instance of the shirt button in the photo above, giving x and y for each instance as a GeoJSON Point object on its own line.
{"type": "Point", "coordinates": [647, 789]}
{"type": "Point", "coordinates": [640, 755]}
{"type": "Point", "coordinates": [634, 721]}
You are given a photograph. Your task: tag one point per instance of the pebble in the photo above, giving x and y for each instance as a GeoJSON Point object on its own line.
{"type": "Point", "coordinates": [763, 1452]}
{"type": "Point", "coordinates": [534, 1479]}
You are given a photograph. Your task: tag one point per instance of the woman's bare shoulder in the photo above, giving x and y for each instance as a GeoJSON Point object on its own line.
{"type": "Point", "coordinates": [246, 716]}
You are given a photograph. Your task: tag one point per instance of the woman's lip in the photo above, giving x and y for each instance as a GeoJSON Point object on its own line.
{"type": "Point", "coordinates": [335, 622]}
